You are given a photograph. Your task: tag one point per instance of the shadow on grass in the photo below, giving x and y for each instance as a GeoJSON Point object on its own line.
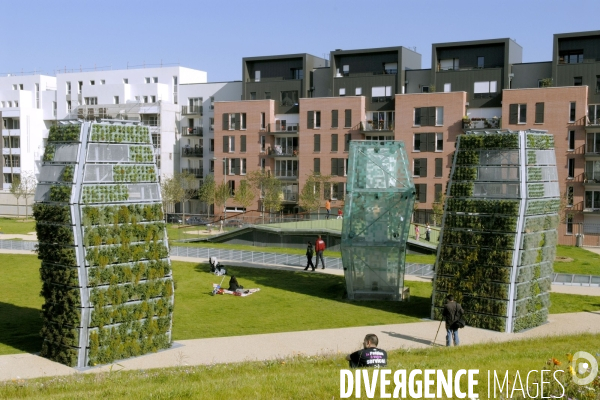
{"type": "Point", "coordinates": [20, 328]}
{"type": "Point", "coordinates": [325, 286]}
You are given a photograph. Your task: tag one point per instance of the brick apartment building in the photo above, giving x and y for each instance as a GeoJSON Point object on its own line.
{"type": "Point", "coordinates": [298, 113]}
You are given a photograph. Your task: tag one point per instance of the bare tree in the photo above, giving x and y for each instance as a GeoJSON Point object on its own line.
{"type": "Point", "coordinates": [206, 193]}
{"type": "Point", "coordinates": [244, 196]}
{"type": "Point", "coordinates": [27, 187]}
{"type": "Point", "coordinates": [15, 189]}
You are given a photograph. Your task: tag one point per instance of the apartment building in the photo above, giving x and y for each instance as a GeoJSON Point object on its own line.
{"type": "Point", "coordinates": [383, 94]}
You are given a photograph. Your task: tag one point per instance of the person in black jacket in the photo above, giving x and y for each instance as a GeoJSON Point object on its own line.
{"type": "Point", "coordinates": [233, 284]}
{"type": "Point", "coordinates": [452, 313]}
{"type": "Point", "coordinates": [309, 255]}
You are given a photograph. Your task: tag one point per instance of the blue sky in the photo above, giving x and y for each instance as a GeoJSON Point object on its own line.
{"type": "Point", "coordinates": [213, 36]}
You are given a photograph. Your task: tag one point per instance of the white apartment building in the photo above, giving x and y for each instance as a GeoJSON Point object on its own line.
{"type": "Point", "coordinates": [196, 144]}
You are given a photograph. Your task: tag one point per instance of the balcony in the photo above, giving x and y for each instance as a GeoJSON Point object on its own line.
{"type": "Point", "coordinates": [282, 152]}
{"type": "Point", "coordinates": [191, 110]}
{"type": "Point", "coordinates": [376, 126]}
{"type": "Point", "coordinates": [192, 152]}
{"type": "Point", "coordinates": [290, 197]}
{"type": "Point", "coordinates": [194, 131]}
{"type": "Point", "coordinates": [286, 174]}
{"type": "Point", "coordinates": [593, 122]}
{"type": "Point", "coordinates": [481, 123]}
{"type": "Point", "coordinates": [197, 172]}
{"type": "Point", "coordinates": [283, 127]}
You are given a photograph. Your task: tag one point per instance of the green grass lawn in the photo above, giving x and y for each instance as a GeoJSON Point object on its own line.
{"type": "Point", "coordinates": [316, 377]}
{"type": "Point", "coordinates": [16, 226]}
{"type": "Point", "coordinates": [584, 262]}
{"type": "Point", "coordinates": [285, 303]}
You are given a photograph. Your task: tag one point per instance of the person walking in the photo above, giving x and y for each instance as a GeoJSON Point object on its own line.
{"type": "Point", "coordinates": [309, 255]}
{"type": "Point", "coordinates": [428, 233]}
{"type": "Point", "coordinates": [221, 222]}
{"type": "Point", "coordinates": [417, 232]}
{"type": "Point", "coordinates": [328, 208]}
{"type": "Point", "coordinates": [452, 313]}
{"type": "Point", "coordinates": [320, 248]}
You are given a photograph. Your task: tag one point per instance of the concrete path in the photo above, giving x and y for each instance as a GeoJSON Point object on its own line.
{"type": "Point", "coordinates": [280, 345]}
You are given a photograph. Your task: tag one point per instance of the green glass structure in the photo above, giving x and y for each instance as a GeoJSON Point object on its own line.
{"type": "Point", "coordinates": [379, 204]}
{"type": "Point", "coordinates": [498, 237]}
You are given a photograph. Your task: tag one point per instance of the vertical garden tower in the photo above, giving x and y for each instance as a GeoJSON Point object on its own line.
{"type": "Point", "coordinates": [377, 212]}
{"type": "Point", "coordinates": [498, 237]}
{"type": "Point", "coordinates": [106, 274]}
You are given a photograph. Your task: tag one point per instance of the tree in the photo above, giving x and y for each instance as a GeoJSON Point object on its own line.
{"type": "Point", "coordinates": [244, 196]}
{"type": "Point", "coordinates": [270, 189]}
{"type": "Point", "coordinates": [27, 187]}
{"type": "Point", "coordinates": [546, 82]}
{"type": "Point", "coordinates": [438, 208]}
{"type": "Point", "coordinates": [170, 192]}
{"type": "Point", "coordinates": [311, 194]}
{"type": "Point", "coordinates": [206, 193]}
{"type": "Point", "coordinates": [222, 193]}
{"type": "Point", "coordinates": [181, 187]}
{"type": "Point", "coordinates": [15, 189]}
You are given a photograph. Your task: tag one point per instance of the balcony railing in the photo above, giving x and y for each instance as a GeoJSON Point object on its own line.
{"type": "Point", "coordinates": [481, 123]}
{"type": "Point", "coordinates": [370, 126]}
{"type": "Point", "coordinates": [192, 152]}
{"type": "Point", "coordinates": [593, 122]}
{"type": "Point", "coordinates": [279, 152]}
{"type": "Point", "coordinates": [195, 131]}
{"type": "Point", "coordinates": [191, 110]}
{"type": "Point", "coordinates": [293, 197]}
{"type": "Point", "coordinates": [197, 172]}
{"type": "Point", "coordinates": [283, 127]}
{"type": "Point", "coordinates": [286, 174]}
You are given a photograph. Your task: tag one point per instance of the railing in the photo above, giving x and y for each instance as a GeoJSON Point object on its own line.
{"type": "Point", "coordinates": [280, 126]}
{"type": "Point", "coordinates": [193, 152]}
{"type": "Point", "coordinates": [288, 152]}
{"type": "Point", "coordinates": [287, 174]}
{"type": "Point", "coordinates": [373, 126]}
{"type": "Point", "coordinates": [195, 131]}
{"type": "Point", "coordinates": [593, 122]}
{"type": "Point", "coordinates": [481, 123]}
{"type": "Point", "coordinates": [191, 110]}
{"type": "Point", "coordinates": [197, 172]}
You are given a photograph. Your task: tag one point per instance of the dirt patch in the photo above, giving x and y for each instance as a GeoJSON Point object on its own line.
{"type": "Point", "coordinates": [563, 259]}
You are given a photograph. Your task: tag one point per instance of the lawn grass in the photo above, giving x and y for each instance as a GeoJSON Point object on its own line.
{"type": "Point", "coordinates": [316, 377]}
{"type": "Point", "coordinates": [584, 262]}
{"type": "Point", "coordinates": [286, 302]}
{"type": "Point", "coordinates": [16, 226]}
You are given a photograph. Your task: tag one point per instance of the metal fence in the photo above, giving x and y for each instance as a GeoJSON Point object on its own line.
{"type": "Point", "coordinates": [17, 245]}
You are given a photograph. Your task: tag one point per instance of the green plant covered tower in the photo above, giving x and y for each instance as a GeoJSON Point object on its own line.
{"type": "Point", "coordinates": [498, 237]}
{"type": "Point", "coordinates": [377, 212]}
{"type": "Point", "coordinates": [106, 274]}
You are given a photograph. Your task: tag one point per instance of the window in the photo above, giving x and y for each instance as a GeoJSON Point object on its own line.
{"type": "Point", "coordinates": [263, 163]}
{"type": "Point", "coordinates": [125, 81]}
{"type": "Point", "coordinates": [243, 143]}
{"type": "Point", "coordinates": [152, 99]}
{"type": "Point", "coordinates": [577, 81]}
{"type": "Point", "coordinates": [517, 114]}
{"type": "Point", "coordinates": [256, 76]}
{"type": "Point", "coordinates": [570, 191]}
{"type": "Point", "coordinates": [289, 97]}
{"type": "Point", "coordinates": [421, 192]}
{"type": "Point", "coordinates": [420, 167]}
{"type": "Point", "coordinates": [317, 165]}
{"type": "Point", "coordinates": [592, 200]}
{"type": "Point", "coordinates": [438, 167]}
{"type": "Point", "coordinates": [8, 178]}
{"type": "Point", "coordinates": [231, 186]}
{"type": "Point", "coordinates": [439, 141]}
{"type": "Point", "coordinates": [342, 91]}
{"type": "Point", "coordinates": [12, 161]}
{"type": "Point", "coordinates": [11, 142]}
{"type": "Point", "coordinates": [228, 144]}
{"type": "Point", "coordinates": [334, 142]}
{"type": "Point", "coordinates": [484, 89]}
{"type": "Point", "coordinates": [243, 121]}
{"type": "Point", "coordinates": [381, 94]}
{"type": "Point", "coordinates": [334, 118]}
{"type": "Point", "coordinates": [597, 83]}
{"type": "Point", "coordinates": [116, 99]}
{"type": "Point", "coordinates": [539, 113]}
{"type": "Point", "coordinates": [570, 57]}
{"type": "Point", "coordinates": [262, 120]}
{"type": "Point", "coordinates": [447, 87]}
{"type": "Point", "coordinates": [267, 95]}
{"type": "Point", "coordinates": [390, 68]}
{"type": "Point", "coordinates": [570, 168]}
{"type": "Point", "coordinates": [429, 116]}
{"type": "Point", "coordinates": [263, 143]}
{"type": "Point", "coordinates": [69, 106]}
{"type": "Point", "coordinates": [156, 140]}
{"type": "Point", "coordinates": [145, 99]}
{"type": "Point", "coordinates": [480, 62]}
{"type": "Point", "coordinates": [243, 167]}
{"type": "Point", "coordinates": [437, 192]}
{"type": "Point", "coordinates": [54, 109]}
{"type": "Point", "coordinates": [314, 119]}
{"type": "Point", "coordinates": [424, 89]}
{"type": "Point", "coordinates": [317, 143]}
{"type": "Point", "coordinates": [347, 118]}
{"type": "Point", "coordinates": [429, 142]}
{"type": "Point", "coordinates": [338, 167]}
{"type": "Point", "coordinates": [572, 111]}
{"type": "Point", "coordinates": [147, 79]}
{"type": "Point", "coordinates": [102, 82]}
{"type": "Point", "coordinates": [569, 224]}
{"type": "Point", "coordinates": [155, 79]}
{"type": "Point", "coordinates": [571, 140]}
{"type": "Point", "coordinates": [417, 142]}
{"type": "Point", "coordinates": [92, 83]}
{"type": "Point", "coordinates": [252, 95]}
{"type": "Point", "coordinates": [358, 91]}
{"type": "Point", "coordinates": [14, 86]}
{"type": "Point", "coordinates": [68, 87]}
{"type": "Point", "coordinates": [297, 73]}
{"type": "Point", "coordinates": [211, 145]}
{"type": "Point", "coordinates": [91, 101]}
{"type": "Point", "coordinates": [347, 138]}
{"type": "Point", "coordinates": [211, 124]}
{"type": "Point", "coordinates": [211, 166]}
{"type": "Point", "coordinates": [79, 87]}
{"type": "Point", "coordinates": [346, 70]}
{"type": "Point", "coordinates": [333, 191]}
{"type": "Point", "coordinates": [286, 168]}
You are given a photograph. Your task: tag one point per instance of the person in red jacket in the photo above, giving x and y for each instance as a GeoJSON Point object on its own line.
{"type": "Point", "coordinates": [320, 248]}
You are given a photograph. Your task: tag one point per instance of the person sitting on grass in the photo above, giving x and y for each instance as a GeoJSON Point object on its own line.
{"type": "Point", "coordinates": [369, 356]}
{"type": "Point", "coordinates": [215, 267]}
{"type": "Point", "coordinates": [233, 284]}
